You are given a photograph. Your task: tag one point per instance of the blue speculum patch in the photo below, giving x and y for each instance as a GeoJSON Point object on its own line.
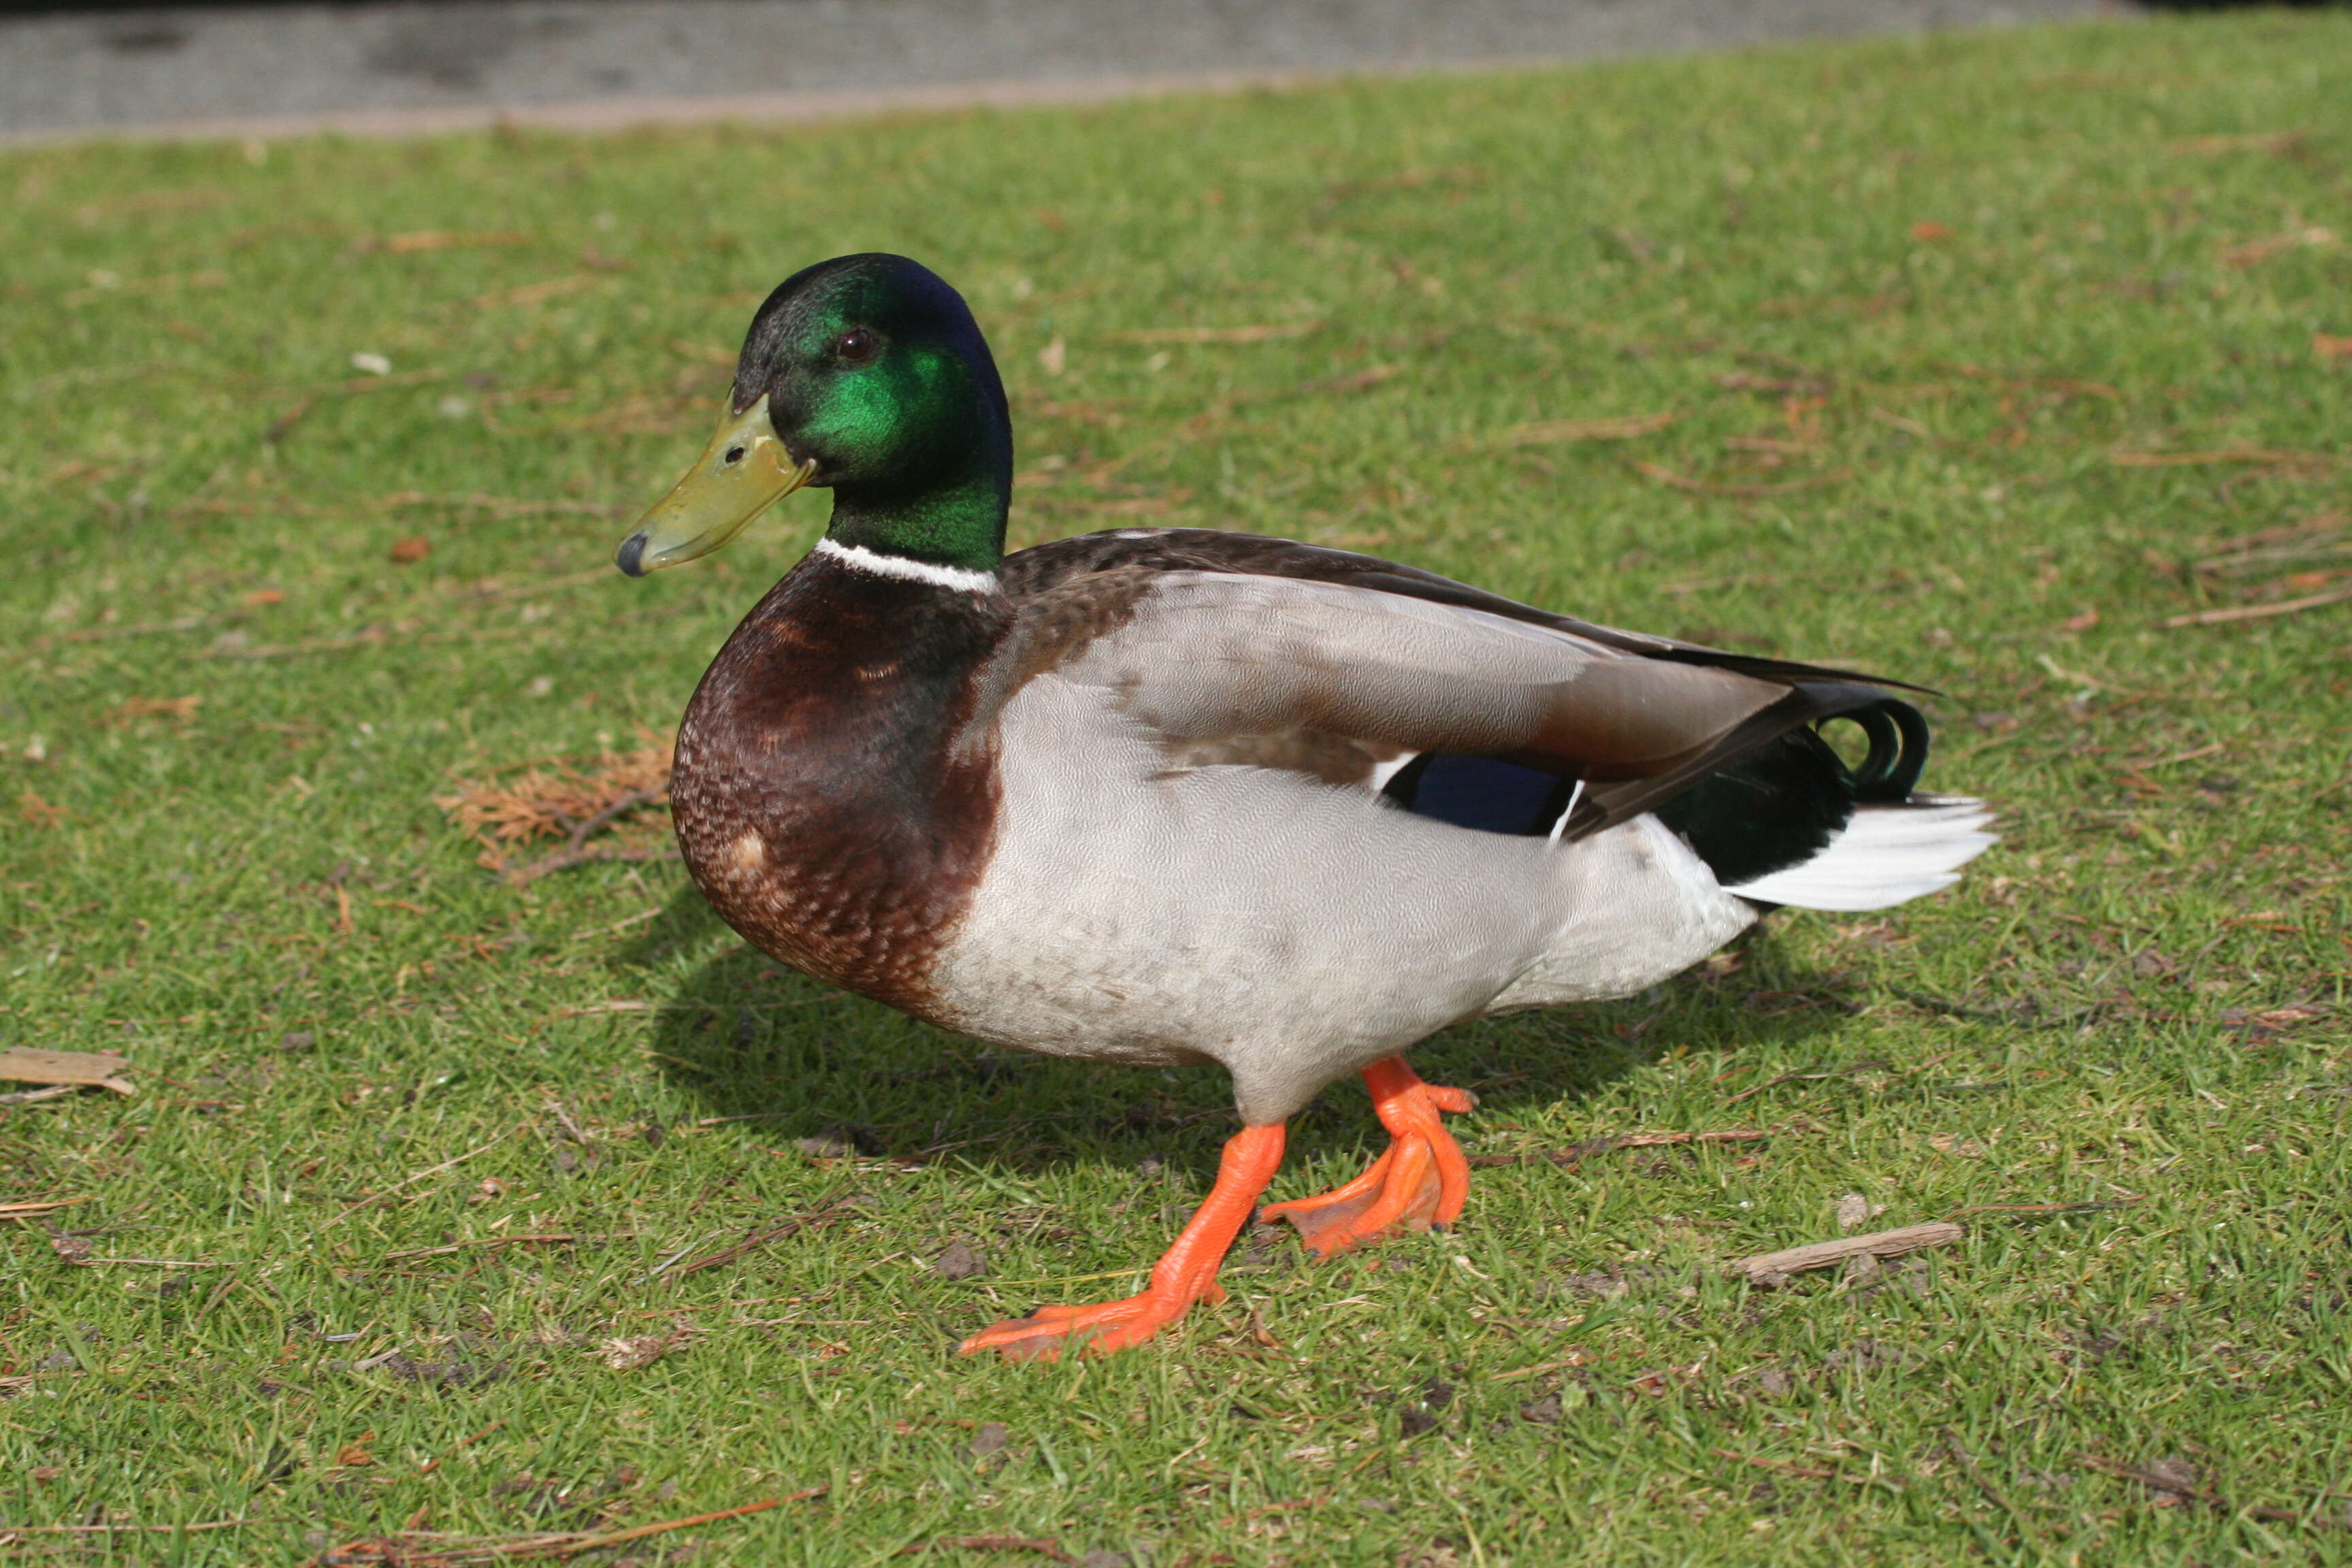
{"type": "Point", "coordinates": [1482, 794]}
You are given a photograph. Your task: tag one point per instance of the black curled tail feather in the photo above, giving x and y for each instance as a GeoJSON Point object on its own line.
{"type": "Point", "coordinates": [1896, 731]}
{"type": "Point", "coordinates": [1783, 802]}
{"type": "Point", "coordinates": [1898, 752]}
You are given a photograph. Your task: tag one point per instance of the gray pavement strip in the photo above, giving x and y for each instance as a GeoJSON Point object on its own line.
{"type": "Point", "coordinates": [438, 65]}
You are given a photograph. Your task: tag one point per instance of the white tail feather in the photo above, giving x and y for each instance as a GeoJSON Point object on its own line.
{"type": "Point", "coordinates": [1885, 854]}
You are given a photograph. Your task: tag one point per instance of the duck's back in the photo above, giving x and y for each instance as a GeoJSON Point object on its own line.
{"type": "Point", "coordinates": [1202, 850]}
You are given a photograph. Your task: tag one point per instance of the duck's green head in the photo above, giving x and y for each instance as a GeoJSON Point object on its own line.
{"type": "Point", "coordinates": [866, 374]}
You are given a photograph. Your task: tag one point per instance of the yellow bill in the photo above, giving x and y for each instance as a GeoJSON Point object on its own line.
{"type": "Point", "coordinates": [743, 471]}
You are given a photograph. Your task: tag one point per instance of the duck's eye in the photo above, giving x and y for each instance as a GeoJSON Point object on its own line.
{"type": "Point", "coordinates": [734, 455]}
{"type": "Point", "coordinates": [856, 346]}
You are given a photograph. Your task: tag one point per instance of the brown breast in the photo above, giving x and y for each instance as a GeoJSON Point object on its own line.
{"type": "Point", "coordinates": [824, 804]}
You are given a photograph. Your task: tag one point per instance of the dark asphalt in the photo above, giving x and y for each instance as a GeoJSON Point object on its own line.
{"type": "Point", "coordinates": [430, 64]}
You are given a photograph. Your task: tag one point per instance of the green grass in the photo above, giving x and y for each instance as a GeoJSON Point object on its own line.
{"type": "Point", "coordinates": [1734, 240]}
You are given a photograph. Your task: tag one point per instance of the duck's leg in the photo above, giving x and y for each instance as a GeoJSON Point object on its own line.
{"type": "Point", "coordinates": [1421, 1181]}
{"type": "Point", "coordinates": [1186, 1273]}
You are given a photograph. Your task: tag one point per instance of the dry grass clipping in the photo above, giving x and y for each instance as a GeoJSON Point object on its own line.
{"type": "Point", "coordinates": [571, 799]}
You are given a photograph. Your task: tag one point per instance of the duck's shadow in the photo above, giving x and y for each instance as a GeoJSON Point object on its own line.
{"type": "Point", "coordinates": [752, 1040]}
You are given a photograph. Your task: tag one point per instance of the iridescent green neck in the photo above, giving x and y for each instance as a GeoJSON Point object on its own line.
{"type": "Point", "coordinates": [920, 451]}
{"type": "Point", "coordinates": [948, 520]}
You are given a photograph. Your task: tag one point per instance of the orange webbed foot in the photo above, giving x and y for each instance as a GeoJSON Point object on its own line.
{"type": "Point", "coordinates": [1421, 1180]}
{"type": "Point", "coordinates": [1186, 1274]}
{"type": "Point", "coordinates": [1048, 1331]}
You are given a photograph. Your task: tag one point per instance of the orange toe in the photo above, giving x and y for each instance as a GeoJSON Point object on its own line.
{"type": "Point", "coordinates": [1186, 1274]}
{"type": "Point", "coordinates": [1048, 1331]}
{"type": "Point", "coordinates": [1421, 1181]}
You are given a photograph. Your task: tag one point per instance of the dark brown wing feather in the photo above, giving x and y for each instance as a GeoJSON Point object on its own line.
{"type": "Point", "coordinates": [1638, 717]}
{"type": "Point", "coordinates": [1036, 572]}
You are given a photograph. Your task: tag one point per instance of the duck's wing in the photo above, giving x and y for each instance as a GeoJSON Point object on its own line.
{"type": "Point", "coordinates": [1237, 648]}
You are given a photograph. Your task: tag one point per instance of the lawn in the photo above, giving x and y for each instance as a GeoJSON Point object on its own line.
{"type": "Point", "coordinates": [453, 1212]}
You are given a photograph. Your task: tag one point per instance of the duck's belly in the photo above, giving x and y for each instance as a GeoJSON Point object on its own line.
{"type": "Point", "coordinates": [1292, 930]}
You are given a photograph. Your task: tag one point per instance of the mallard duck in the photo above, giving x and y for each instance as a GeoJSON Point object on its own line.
{"type": "Point", "coordinates": [1180, 795]}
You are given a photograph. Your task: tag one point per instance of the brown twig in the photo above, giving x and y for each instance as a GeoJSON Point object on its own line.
{"type": "Point", "coordinates": [1593, 1147]}
{"type": "Point", "coordinates": [790, 1228]}
{"type": "Point", "coordinates": [559, 1236]}
{"type": "Point", "coordinates": [2232, 454]}
{"type": "Point", "coordinates": [429, 1466]}
{"type": "Point", "coordinates": [2258, 612]}
{"type": "Point", "coordinates": [406, 1553]}
{"type": "Point", "coordinates": [1808, 1074]}
{"type": "Point", "coordinates": [429, 1170]}
{"type": "Point", "coordinates": [1993, 1494]}
{"type": "Point", "coordinates": [638, 1532]}
{"type": "Point", "coordinates": [1547, 432]}
{"type": "Point", "coordinates": [283, 426]}
{"type": "Point", "coordinates": [1773, 1267]}
{"type": "Point", "coordinates": [227, 1283]}
{"type": "Point", "coordinates": [146, 629]}
{"type": "Point", "coordinates": [1665, 476]}
{"type": "Point", "coordinates": [373, 636]}
{"type": "Point", "coordinates": [2191, 1491]}
{"type": "Point", "coordinates": [1808, 1472]}
{"type": "Point", "coordinates": [575, 851]}
{"type": "Point", "coordinates": [124, 1528]}
{"type": "Point", "coordinates": [1050, 1549]}
{"type": "Point", "coordinates": [2095, 1207]}
{"type": "Point", "coordinates": [1576, 1358]}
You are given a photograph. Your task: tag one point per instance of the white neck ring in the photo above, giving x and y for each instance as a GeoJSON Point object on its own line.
{"type": "Point", "coordinates": [860, 559]}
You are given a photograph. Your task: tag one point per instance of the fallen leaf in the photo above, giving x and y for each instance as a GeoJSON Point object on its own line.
{"type": "Point", "coordinates": [354, 1454]}
{"type": "Point", "coordinates": [259, 597]}
{"type": "Point", "coordinates": [24, 1064]}
{"type": "Point", "coordinates": [409, 550]}
{"type": "Point", "coordinates": [2082, 623]}
{"type": "Point", "coordinates": [1930, 231]}
{"type": "Point", "coordinates": [2331, 349]}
